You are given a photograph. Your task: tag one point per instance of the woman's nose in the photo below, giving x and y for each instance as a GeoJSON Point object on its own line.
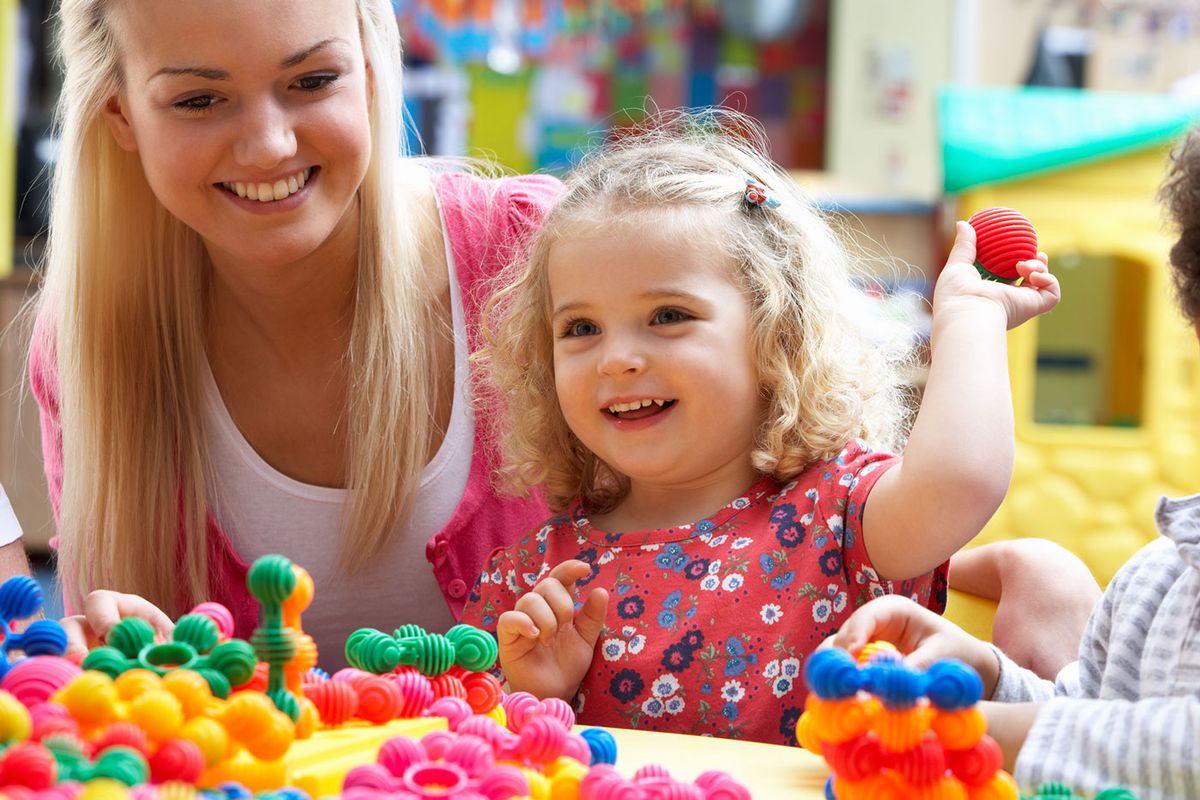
{"type": "Point", "coordinates": [266, 136]}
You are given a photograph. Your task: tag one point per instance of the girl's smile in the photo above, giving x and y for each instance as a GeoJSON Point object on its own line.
{"type": "Point", "coordinates": [638, 414]}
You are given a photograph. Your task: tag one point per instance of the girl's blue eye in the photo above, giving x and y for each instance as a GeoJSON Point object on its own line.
{"type": "Point", "coordinates": [665, 316]}
{"type": "Point", "coordinates": [315, 83]}
{"type": "Point", "coordinates": [580, 327]}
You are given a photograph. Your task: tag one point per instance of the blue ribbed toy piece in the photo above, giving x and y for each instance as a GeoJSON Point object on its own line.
{"type": "Point", "coordinates": [895, 684]}
{"type": "Point", "coordinates": [953, 685]}
{"type": "Point", "coordinates": [832, 674]}
{"type": "Point", "coordinates": [602, 744]}
{"type": "Point", "coordinates": [20, 597]}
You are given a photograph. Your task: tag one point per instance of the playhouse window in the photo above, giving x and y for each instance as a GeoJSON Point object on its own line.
{"type": "Point", "coordinates": [1090, 365]}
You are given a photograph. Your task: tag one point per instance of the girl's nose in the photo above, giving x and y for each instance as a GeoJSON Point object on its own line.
{"type": "Point", "coordinates": [621, 357]}
{"type": "Point", "coordinates": [266, 136]}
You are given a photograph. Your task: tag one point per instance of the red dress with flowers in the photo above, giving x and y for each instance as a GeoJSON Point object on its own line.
{"type": "Point", "coordinates": [709, 624]}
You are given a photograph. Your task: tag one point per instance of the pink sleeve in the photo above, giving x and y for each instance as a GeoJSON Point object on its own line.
{"type": "Point", "coordinates": [491, 595]}
{"type": "Point", "coordinates": [844, 488]}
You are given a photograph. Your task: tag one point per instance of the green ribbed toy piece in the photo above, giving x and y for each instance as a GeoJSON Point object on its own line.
{"type": "Point", "coordinates": [194, 645]}
{"type": "Point", "coordinates": [271, 580]}
{"type": "Point", "coordinates": [1053, 790]}
{"type": "Point", "coordinates": [430, 653]}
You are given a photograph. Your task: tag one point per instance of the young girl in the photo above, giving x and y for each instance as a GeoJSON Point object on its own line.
{"type": "Point", "coordinates": [691, 372]}
{"type": "Point", "coordinates": [1128, 712]}
{"type": "Point", "coordinates": [254, 331]}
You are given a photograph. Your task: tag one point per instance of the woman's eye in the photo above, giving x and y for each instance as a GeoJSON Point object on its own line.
{"type": "Point", "coordinates": [665, 316]}
{"type": "Point", "coordinates": [315, 83]}
{"type": "Point", "coordinates": [200, 102]}
{"type": "Point", "coordinates": [580, 327]}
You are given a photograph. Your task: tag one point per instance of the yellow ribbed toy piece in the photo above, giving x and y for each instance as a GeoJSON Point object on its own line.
{"type": "Point", "coordinates": [1000, 787]}
{"type": "Point", "coordinates": [498, 715]}
{"type": "Point", "coordinates": [15, 724]}
{"type": "Point", "coordinates": [133, 683]}
{"type": "Point", "coordinates": [176, 790]}
{"type": "Point", "coordinates": [539, 784]}
{"type": "Point", "coordinates": [158, 712]}
{"type": "Point", "coordinates": [104, 789]}
{"type": "Point", "coordinates": [871, 648]}
{"type": "Point", "coordinates": [91, 698]}
{"type": "Point", "coordinates": [565, 775]}
{"type": "Point", "coordinates": [901, 730]}
{"type": "Point", "coordinates": [212, 739]}
{"type": "Point", "coordinates": [192, 691]}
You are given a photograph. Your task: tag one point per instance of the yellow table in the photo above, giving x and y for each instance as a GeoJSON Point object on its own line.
{"type": "Point", "coordinates": [767, 770]}
{"type": "Point", "coordinates": [319, 764]}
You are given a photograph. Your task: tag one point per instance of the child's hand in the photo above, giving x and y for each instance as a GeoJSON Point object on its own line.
{"type": "Point", "coordinates": [921, 635]}
{"type": "Point", "coordinates": [102, 610]}
{"type": "Point", "coordinates": [960, 282]}
{"type": "Point", "coordinates": [545, 646]}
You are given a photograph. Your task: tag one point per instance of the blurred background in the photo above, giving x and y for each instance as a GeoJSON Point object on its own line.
{"type": "Point", "coordinates": [898, 117]}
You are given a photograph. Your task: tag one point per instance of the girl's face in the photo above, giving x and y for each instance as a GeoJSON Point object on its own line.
{"type": "Point", "coordinates": [250, 118]}
{"type": "Point", "coordinates": [652, 359]}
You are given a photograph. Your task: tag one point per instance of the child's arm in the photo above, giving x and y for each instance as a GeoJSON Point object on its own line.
{"type": "Point", "coordinates": [958, 461]}
{"type": "Point", "coordinates": [1044, 595]}
{"type": "Point", "coordinates": [546, 646]}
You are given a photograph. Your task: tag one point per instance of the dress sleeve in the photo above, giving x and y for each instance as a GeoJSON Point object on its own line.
{"type": "Point", "coordinates": [843, 489]}
{"type": "Point", "coordinates": [495, 591]}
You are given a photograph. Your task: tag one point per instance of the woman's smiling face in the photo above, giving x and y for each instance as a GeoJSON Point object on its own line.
{"type": "Point", "coordinates": [250, 118]}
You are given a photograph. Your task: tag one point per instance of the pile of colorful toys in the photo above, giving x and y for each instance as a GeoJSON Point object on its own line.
{"type": "Point", "coordinates": [889, 731]}
{"type": "Point", "coordinates": [206, 715]}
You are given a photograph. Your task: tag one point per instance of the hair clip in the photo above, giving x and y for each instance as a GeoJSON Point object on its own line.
{"type": "Point", "coordinates": [757, 195]}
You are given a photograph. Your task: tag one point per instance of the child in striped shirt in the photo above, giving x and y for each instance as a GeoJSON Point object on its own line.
{"type": "Point", "coordinates": [1127, 712]}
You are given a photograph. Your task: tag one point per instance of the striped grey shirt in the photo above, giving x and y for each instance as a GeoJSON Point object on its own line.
{"type": "Point", "coordinates": [1127, 713]}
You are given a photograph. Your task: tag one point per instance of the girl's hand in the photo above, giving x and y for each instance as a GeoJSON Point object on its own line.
{"type": "Point", "coordinates": [545, 645]}
{"type": "Point", "coordinates": [960, 283]}
{"type": "Point", "coordinates": [921, 635]}
{"type": "Point", "coordinates": [102, 610]}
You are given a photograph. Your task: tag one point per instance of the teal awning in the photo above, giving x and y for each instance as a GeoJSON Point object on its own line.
{"type": "Point", "coordinates": [996, 134]}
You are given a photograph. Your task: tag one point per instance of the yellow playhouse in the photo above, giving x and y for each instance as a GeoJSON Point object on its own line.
{"type": "Point", "coordinates": [1105, 388]}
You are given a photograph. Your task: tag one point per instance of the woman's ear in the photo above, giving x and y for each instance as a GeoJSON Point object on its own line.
{"type": "Point", "coordinates": [117, 117]}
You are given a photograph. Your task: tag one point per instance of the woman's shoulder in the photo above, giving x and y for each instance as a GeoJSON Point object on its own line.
{"type": "Point", "coordinates": [514, 201]}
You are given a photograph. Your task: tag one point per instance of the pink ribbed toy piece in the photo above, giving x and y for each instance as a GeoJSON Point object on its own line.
{"type": "Point", "coordinates": [518, 707]}
{"type": "Point", "coordinates": [471, 753]}
{"type": "Point", "coordinates": [454, 709]}
{"type": "Point", "coordinates": [560, 710]}
{"type": "Point", "coordinates": [400, 753]}
{"type": "Point", "coordinates": [541, 740]}
{"type": "Point", "coordinates": [1003, 236]}
{"type": "Point", "coordinates": [218, 614]}
{"type": "Point", "coordinates": [720, 785]}
{"type": "Point", "coordinates": [504, 781]}
{"type": "Point", "coordinates": [416, 691]}
{"type": "Point", "coordinates": [32, 680]}
{"type": "Point", "coordinates": [437, 742]}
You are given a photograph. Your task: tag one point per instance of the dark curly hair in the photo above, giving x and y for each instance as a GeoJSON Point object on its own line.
{"type": "Point", "coordinates": [1180, 195]}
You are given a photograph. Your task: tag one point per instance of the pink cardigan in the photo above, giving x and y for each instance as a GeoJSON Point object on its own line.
{"type": "Point", "coordinates": [485, 221]}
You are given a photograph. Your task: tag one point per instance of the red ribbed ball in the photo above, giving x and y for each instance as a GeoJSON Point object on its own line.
{"type": "Point", "coordinates": [1003, 236]}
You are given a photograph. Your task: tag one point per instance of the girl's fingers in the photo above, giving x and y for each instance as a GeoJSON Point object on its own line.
{"type": "Point", "coordinates": [589, 622]}
{"type": "Point", "coordinates": [104, 609]}
{"type": "Point", "coordinates": [560, 599]}
{"type": "Point", "coordinates": [544, 619]}
{"type": "Point", "coordinates": [79, 635]}
{"type": "Point", "coordinates": [963, 250]}
{"type": "Point", "coordinates": [514, 625]}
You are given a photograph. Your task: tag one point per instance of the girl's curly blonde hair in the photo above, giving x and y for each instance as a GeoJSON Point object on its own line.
{"type": "Point", "coordinates": [827, 361]}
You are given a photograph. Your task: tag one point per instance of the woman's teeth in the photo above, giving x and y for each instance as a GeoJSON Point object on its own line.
{"type": "Point", "coordinates": [266, 192]}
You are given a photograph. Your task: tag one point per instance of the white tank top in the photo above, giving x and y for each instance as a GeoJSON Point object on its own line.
{"type": "Point", "coordinates": [264, 511]}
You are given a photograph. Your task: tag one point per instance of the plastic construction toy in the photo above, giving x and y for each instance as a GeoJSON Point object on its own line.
{"type": "Point", "coordinates": [21, 597]}
{"type": "Point", "coordinates": [890, 732]}
{"type": "Point", "coordinates": [284, 589]}
{"type": "Point", "coordinates": [1058, 791]}
{"type": "Point", "coordinates": [195, 645]}
{"type": "Point", "coordinates": [1003, 236]}
{"type": "Point", "coordinates": [431, 654]}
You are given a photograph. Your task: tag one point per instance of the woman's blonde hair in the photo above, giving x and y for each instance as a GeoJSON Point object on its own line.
{"type": "Point", "coordinates": [123, 308]}
{"type": "Point", "coordinates": [826, 368]}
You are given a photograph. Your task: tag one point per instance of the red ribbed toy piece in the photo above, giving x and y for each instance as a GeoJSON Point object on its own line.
{"type": "Point", "coordinates": [1003, 236]}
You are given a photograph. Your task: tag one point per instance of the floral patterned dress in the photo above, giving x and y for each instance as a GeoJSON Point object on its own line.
{"type": "Point", "coordinates": [709, 624]}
